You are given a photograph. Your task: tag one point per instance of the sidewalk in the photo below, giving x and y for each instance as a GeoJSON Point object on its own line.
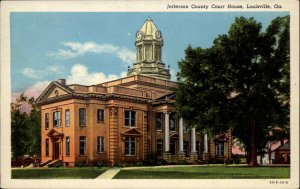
{"type": "Point", "coordinates": [109, 174]}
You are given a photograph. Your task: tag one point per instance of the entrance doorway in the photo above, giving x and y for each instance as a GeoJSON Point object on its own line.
{"type": "Point", "coordinates": [56, 149]}
{"type": "Point", "coordinates": [172, 147]}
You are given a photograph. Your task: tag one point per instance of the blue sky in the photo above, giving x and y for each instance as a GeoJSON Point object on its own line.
{"type": "Point", "coordinates": [89, 48]}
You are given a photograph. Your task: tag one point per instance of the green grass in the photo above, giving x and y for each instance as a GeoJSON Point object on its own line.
{"type": "Point", "coordinates": [57, 173]}
{"type": "Point", "coordinates": [205, 172]}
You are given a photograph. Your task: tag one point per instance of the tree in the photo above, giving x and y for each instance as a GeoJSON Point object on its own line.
{"type": "Point", "coordinates": [241, 82]}
{"type": "Point", "coordinates": [19, 131]}
{"type": "Point", "coordinates": [34, 128]}
{"type": "Point", "coordinates": [25, 128]}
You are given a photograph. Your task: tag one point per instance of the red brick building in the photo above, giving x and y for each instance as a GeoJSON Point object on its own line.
{"type": "Point", "coordinates": [124, 120]}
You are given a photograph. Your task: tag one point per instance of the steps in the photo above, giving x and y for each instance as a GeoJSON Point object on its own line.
{"type": "Point", "coordinates": [44, 163]}
{"type": "Point", "coordinates": [49, 163]}
{"type": "Point", "coordinates": [52, 163]}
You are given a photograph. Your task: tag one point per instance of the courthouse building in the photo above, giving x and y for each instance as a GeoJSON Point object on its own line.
{"type": "Point", "coordinates": [124, 120]}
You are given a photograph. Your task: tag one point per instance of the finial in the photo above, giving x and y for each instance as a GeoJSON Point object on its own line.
{"type": "Point", "coordinates": [168, 66]}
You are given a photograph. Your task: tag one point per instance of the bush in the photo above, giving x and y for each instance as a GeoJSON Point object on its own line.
{"type": "Point", "coordinates": [118, 164]}
{"type": "Point", "coordinates": [139, 163]}
{"type": "Point", "coordinates": [164, 162]}
{"type": "Point", "coordinates": [216, 161]}
{"type": "Point", "coordinates": [228, 161]}
{"type": "Point", "coordinates": [151, 160]}
{"type": "Point", "coordinates": [182, 162]}
{"type": "Point", "coordinates": [100, 164]}
{"type": "Point", "coordinates": [236, 159]}
{"type": "Point", "coordinates": [58, 164]}
{"type": "Point", "coordinates": [79, 163]}
{"type": "Point", "coordinates": [158, 162]}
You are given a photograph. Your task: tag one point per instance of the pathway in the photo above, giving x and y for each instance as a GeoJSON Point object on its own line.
{"type": "Point", "coordinates": [109, 174]}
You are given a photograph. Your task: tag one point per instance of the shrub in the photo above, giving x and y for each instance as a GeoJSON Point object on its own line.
{"type": "Point", "coordinates": [100, 164]}
{"type": "Point", "coordinates": [159, 162]}
{"type": "Point", "coordinates": [58, 164]}
{"type": "Point", "coordinates": [164, 162]}
{"type": "Point", "coordinates": [182, 162]}
{"type": "Point", "coordinates": [79, 163]}
{"type": "Point", "coordinates": [118, 164]}
{"type": "Point", "coordinates": [151, 160]}
{"type": "Point", "coordinates": [236, 159]}
{"type": "Point", "coordinates": [139, 163]}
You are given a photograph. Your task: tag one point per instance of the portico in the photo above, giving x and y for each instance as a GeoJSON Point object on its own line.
{"type": "Point", "coordinates": [190, 137]}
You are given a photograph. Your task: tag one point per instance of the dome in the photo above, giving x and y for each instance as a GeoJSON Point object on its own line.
{"type": "Point", "coordinates": [149, 30]}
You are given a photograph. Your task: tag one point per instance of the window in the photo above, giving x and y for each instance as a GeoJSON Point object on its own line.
{"type": "Point", "coordinates": [47, 146]}
{"type": "Point", "coordinates": [67, 145]}
{"type": "Point", "coordinates": [56, 119]}
{"type": "Point", "coordinates": [129, 118]}
{"type": "Point", "coordinates": [67, 118]}
{"type": "Point", "coordinates": [172, 122]}
{"type": "Point", "coordinates": [81, 116]}
{"type": "Point", "coordinates": [129, 145]}
{"type": "Point", "coordinates": [220, 149]}
{"type": "Point", "coordinates": [185, 128]}
{"type": "Point", "coordinates": [100, 115]}
{"type": "Point", "coordinates": [159, 147]}
{"type": "Point", "coordinates": [283, 157]}
{"type": "Point", "coordinates": [100, 144]}
{"type": "Point", "coordinates": [46, 120]}
{"type": "Point", "coordinates": [82, 145]}
{"type": "Point", "coordinates": [158, 121]}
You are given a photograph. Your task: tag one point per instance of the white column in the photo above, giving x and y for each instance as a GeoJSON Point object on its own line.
{"type": "Point", "coordinates": [167, 131]}
{"type": "Point", "coordinates": [205, 143]}
{"type": "Point", "coordinates": [180, 134]}
{"type": "Point", "coordinates": [193, 140]}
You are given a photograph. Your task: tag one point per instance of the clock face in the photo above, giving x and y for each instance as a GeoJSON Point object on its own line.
{"type": "Point", "coordinates": [158, 34]}
{"type": "Point", "coordinates": [139, 35]}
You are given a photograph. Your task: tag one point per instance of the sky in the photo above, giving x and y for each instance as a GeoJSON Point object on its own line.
{"type": "Point", "coordinates": [90, 48]}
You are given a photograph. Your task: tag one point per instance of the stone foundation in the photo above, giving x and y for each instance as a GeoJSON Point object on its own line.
{"type": "Point", "coordinates": [205, 157]}
{"type": "Point", "coordinates": [167, 156]}
{"type": "Point", "coordinates": [181, 156]}
{"type": "Point", "coordinates": [193, 156]}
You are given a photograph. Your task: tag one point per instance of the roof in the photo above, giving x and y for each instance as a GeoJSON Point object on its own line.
{"type": "Point", "coordinates": [286, 146]}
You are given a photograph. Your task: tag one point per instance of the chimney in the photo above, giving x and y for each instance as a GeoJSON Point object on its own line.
{"type": "Point", "coordinates": [62, 81]}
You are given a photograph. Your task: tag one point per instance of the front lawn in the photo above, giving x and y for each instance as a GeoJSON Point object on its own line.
{"type": "Point", "coordinates": [57, 173]}
{"type": "Point", "coordinates": [205, 172]}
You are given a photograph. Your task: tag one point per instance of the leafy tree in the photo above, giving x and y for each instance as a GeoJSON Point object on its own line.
{"type": "Point", "coordinates": [25, 128]}
{"type": "Point", "coordinates": [241, 82]}
{"type": "Point", "coordinates": [19, 131]}
{"type": "Point", "coordinates": [34, 128]}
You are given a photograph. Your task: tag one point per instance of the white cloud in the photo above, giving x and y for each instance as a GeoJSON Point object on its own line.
{"type": "Point", "coordinates": [75, 49]}
{"type": "Point", "coordinates": [31, 73]}
{"type": "Point", "coordinates": [37, 74]}
{"type": "Point", "coordinates": [80, 75]}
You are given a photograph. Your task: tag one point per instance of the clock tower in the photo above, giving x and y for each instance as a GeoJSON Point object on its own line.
{"type": "Point", "coordinates": [149, 44]}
